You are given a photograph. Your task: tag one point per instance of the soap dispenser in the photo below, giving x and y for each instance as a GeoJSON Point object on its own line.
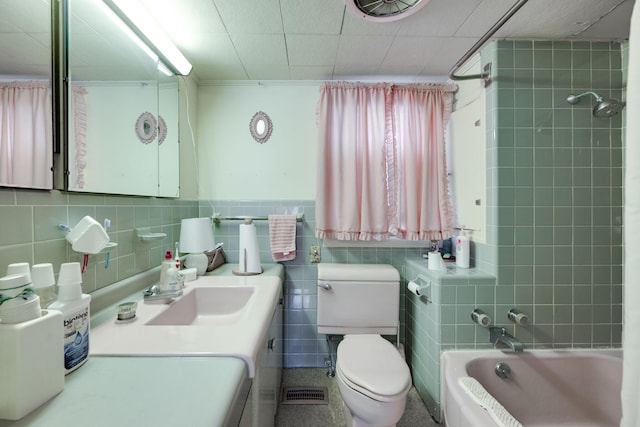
{"type": "Point", "coordinates": [74, 306]}
{"type": "Point", "coordinates": [462, 250]}
{"type": "Point", "coordinates": [167, 263]}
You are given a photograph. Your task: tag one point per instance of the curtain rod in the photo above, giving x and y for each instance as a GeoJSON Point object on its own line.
{"type": "Point", "coordinates": [486, 75]}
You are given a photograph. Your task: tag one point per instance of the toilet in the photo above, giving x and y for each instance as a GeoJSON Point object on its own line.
{"type": "Point", "coordinates": [361, 302]}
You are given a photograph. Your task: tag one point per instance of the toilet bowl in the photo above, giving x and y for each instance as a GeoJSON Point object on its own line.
{"type": "Point", "coordinates": [373, 380]}
{"type": "Point", "coordinates": [361, 302]}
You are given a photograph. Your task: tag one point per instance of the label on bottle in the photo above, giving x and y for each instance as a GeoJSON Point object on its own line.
{"type": "Point", "coordinates": [76, 338]}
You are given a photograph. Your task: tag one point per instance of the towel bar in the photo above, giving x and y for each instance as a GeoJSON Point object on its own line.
{"type": "Point", "coordinates": [217, 218]}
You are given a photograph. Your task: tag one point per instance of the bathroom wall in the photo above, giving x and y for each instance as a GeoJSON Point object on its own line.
{"type": "Point", "coordinates": [303, 347]}
{"type": "Point", "coordinates": [29, 230]}
{"type": "Point", "coordinates": [554, 213]}
{"type": "Point", "coordinates": [555, 191]}
{"type": "Point", "coordinates": [233, 166]}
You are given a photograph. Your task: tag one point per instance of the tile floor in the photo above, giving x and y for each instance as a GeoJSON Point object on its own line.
{"type": "Point", "coordinates": [415, 414]}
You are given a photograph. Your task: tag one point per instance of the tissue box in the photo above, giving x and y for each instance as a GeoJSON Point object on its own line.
{"type": "Point", "coordinates": [31, 362]}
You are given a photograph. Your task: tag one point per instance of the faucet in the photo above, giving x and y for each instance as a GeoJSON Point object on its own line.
{"type": "Point", "coordinates": [499, 334]}
{"type": "Point", "coordinates": [153, 293]}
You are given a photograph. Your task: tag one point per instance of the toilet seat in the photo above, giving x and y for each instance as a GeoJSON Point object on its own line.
{"type": "Point", "coordinates": [373, 366]}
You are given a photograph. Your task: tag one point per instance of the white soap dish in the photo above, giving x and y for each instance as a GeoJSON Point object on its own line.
{"type": "Point", "coordinates": [146, 235]}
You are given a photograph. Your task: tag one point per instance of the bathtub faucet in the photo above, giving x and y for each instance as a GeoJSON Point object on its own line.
{"type": "Point", "coordinates": [500, 335]}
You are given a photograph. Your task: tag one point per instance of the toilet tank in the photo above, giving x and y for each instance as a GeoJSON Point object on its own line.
{"type": "Point", "coordinates": [358, 299]}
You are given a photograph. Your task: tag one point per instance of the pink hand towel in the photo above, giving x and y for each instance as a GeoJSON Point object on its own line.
{"type": "Point", "coordinates": [282, 234]}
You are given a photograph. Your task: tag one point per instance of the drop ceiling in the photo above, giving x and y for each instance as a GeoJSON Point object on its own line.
{"type": "Point", "coordinates": [304, 39]}
{"type": "Point", "coordinates": [323, 40]}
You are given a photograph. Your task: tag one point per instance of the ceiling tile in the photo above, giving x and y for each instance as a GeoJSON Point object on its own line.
{"type": "Point", "coordinates": [267, 72]}
{"type": "Point", "coordinates": [612, 26]}
{"type": "Point", "coordinates": [251, 16]}
{"type": "Point", "coordinates": [312, 16]}
{"type": "Point", "coordinates": [208, 72]}
{"type": "Point", "coordinates": [312, 49]}
{"type": "Point", "coordinates": [311, 73]}
{"type": "Point", "coordinates": [355, 25]}
{"type": "Point", "coordinates": [448, 51]}
{"type": "Point", "coordinates": [367, 50]}
{"type": "Point", "coordinates": [409, 51]}
{"type": "Point", "coordinates": [267, 49]}
{"type": "Point", "coordinates": [438, 18]}
{"type": "Point", "coordinates": [193, 16]}
{"type": "Point", "coordinates": [483, 18]}
{"type": "Point", "coordinates": [212, 49]}
{"type": "Point", "coordinates": [554, 19]}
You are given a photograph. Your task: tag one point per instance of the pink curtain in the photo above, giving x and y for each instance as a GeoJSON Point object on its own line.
{"type": "Point", "coordinates": [423, 210]}
{"type": "Point", "coordinates": [79, 134]}
{"type": "Point", "coordinates": [26, 148]}
{"type": "Point", "coordinates": [381, 162]}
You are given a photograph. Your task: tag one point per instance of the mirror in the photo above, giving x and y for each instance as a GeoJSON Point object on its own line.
{"type": "Point", "coordinates": [26, 118]}
{"type": "Point", "coordinates": [260, 127]}
{"type": "Point", "coordinates": [123, 112]}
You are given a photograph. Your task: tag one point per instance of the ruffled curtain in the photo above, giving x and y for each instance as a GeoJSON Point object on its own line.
{"type": "Point", "coordinates": [381, 162]}
{"type": "Point", "coordinates": [79, 134]}
{"type": "Point", "coordinates": [26, 134]}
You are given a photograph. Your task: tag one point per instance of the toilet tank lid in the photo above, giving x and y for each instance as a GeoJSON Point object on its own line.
{"type": "Point", "coordinates": [358, 272]}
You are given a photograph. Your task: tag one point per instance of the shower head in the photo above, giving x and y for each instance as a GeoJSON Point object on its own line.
{"type": "Point", "coordinates": [608, 108]}
{"type": "Point", "coordinates": [604, 108]}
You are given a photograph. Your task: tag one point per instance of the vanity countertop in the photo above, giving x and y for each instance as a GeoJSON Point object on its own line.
{"type": "Point", "coordinates": [145, 391]}
{"type": "Point", "coordinates": [142, 337]}
{"type": "Point", "coordinates": [173, 390]}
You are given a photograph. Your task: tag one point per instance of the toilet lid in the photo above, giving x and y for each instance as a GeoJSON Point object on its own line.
{"type": "Point", "coordinates": [373, 366]}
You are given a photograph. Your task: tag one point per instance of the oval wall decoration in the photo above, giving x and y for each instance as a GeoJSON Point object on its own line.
{"type": "Point", "coordinates": [146, 127]}
{"type": "Point", "coordinates": [260, 127]}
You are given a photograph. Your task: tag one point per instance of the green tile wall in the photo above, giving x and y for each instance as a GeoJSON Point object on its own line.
{"type": "Point", "coordinates": [555, 191]}
{"type": "Point", "coordinates": [554, 212]}
{"type": "Point", "coordinates": [29, 230]}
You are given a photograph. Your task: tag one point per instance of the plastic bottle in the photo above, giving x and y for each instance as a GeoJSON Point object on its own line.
{"type": "Point", "coordinates": [172, 279]}
{"type": "Point", "coordinates": [166, 265]}
{"type": "Point", "coordinates": [74, 306]}
{"type": "Point", "coordinates": [462, 250]}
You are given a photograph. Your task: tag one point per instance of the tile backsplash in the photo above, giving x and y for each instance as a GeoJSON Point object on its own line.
{"type": "Point", "coordinates": [30, 232]}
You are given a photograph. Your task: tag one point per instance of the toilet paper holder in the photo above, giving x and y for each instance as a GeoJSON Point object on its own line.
{"type": "Point", "coordinates": [420, 286]}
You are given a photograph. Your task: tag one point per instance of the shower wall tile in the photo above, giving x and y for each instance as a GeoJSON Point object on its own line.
{"type": "Point", "coordinates": [558, 198]}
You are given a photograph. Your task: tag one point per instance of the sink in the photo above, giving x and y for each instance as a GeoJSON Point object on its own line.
{"type": "Point", "coordinates": [214, 306]}
{"type": "Point", "coordinates": [218, 315]}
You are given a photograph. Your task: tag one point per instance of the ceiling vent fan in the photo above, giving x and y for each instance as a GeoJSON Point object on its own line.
{"type": "Point", "coordinates": [385, 10]}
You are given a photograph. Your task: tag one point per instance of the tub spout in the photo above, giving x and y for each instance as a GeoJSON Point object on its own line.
{"type": "Point", "coordinates": [500, 335]}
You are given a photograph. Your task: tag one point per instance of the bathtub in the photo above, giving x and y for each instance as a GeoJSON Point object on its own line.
{"type": "Point", "coordinates": [567, 388]}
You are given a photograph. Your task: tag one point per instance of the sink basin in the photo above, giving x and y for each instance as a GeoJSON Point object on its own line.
{"type": "Point", "coordinates": [214, 306]}
{"type": "Point", "coordinates": [217, 315]}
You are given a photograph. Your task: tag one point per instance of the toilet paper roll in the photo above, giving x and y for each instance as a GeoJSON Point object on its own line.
{"type": "Point", "coordinates": [414, 288]}
{"type": "Point", "coordinates": [249, 252]}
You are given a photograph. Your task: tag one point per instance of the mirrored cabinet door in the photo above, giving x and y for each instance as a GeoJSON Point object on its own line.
{"type": "Point", "coordinates": [122, 115]}
{"type": "Point", "coordinates": [26, 118]}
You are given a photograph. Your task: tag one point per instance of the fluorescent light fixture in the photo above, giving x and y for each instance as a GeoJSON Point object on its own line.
{"type": "Point", "coordinates": [139, 20]}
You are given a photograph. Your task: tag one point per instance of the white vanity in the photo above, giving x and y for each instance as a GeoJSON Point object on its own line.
{"type": "Point", "coordinates": [212, 357]}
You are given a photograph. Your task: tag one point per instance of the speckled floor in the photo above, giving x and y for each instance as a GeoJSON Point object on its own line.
{"type": "Point", "coordinates": [415, 414]}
